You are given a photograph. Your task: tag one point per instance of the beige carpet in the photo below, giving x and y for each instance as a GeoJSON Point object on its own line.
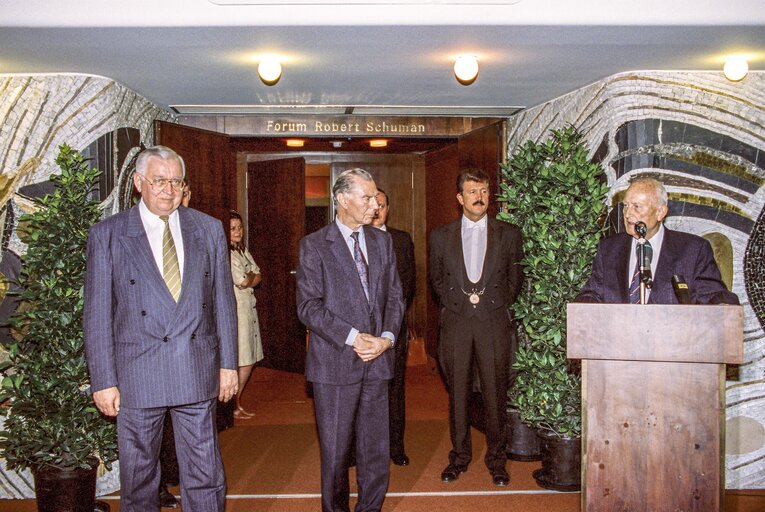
{"type": "Point", "coordinates": [272, 460]}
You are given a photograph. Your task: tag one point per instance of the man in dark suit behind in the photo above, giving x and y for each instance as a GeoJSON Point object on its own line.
{"type": "Point", "coordinates": [160, 334]}
{"type": "Point", "coordinates": [349, 297]}
{"type": "Point", "coordinates": [475, 273]}
{"type": "Point", "coordinates": [674, 253]}
{"type": "Point", "coordinates": [404, 249]}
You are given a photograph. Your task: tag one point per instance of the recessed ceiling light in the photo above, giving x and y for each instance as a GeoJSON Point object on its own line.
{"type": "Point", "coordinates": [466, 69]}
{"type": "Point", "coordinates": [378, 143]}
{"type": "Point", "coordinates": [270, 70]}
{"type": "Point", "coordinates": [295, 143]}
{"type": "Point", "coordinates": [736, 68]}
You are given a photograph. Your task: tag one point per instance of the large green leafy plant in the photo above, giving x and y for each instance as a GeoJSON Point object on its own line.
{"type": "Point", "coordinates": [52, 420]}
{"type": "Point", "coordinates": [555, 194]}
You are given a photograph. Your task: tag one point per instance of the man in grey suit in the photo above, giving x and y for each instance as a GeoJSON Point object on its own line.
{"type": "Point", "coordinates": [475, 272]}
{"type": "Point", "coordinates": [349, 297]}
{"type": "Point", "coordinates": [160, 335]}
{"type": "Point", "coordinates": [674, 253]}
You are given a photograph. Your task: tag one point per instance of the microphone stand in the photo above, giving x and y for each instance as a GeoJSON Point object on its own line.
{"type": "Point", "coordinates": [645, 280]}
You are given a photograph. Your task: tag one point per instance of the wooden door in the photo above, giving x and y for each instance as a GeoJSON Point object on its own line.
{"type": "Point", "coordinates": [275, 225]}
{"type": "Point", "coordinates": [210, 167]}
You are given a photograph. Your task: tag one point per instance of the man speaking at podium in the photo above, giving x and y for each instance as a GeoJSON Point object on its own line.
{"type": "Point", "coordinates": [675, 267]}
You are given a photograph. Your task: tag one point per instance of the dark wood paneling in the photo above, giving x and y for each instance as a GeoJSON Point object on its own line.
{"type": "Point", "coordinates": [441, 206]}
{"type": "Point", "coordinates": [276, 223]}
{"type": "Point", "coordinates": [481, 149]}
{"type": "Point", "coordinates": [210, 166]}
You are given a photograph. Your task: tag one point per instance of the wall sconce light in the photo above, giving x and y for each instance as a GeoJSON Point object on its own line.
{"type": "Point", "coordinates": [295, 143]}
{"type": "Point", "coordinates": [270, 70]}
{"type": "Point", "coordinates": [378, 143]}
{"type": "Point", "coordinates": [736, 68]}
{"type": "Point", "coordinates": [466, 69]}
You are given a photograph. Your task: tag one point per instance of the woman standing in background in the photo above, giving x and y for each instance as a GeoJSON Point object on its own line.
{"type": "Point", "coordinates": [246, 276]}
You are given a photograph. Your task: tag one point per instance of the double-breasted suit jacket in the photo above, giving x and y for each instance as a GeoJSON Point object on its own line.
{"type": "Point", "coordinates": [158, 352]}
{"type": "Point", "coordinates": [681, 254]}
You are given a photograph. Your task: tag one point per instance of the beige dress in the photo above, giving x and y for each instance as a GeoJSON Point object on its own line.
{"type": "Point", "coordinates": [250, 346]}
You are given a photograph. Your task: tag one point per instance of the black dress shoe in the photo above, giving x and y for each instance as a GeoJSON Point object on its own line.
{"type": "Point", "coordinates": [500, 477]}
{"type": "Point", "coordinates": [452, 472]}
{"type": "Point", "coordinates": [101, 506]}
{"type": "Point", "coordinates": [400, 460]}
{"type": "Point", "coordinates": [167, 500]}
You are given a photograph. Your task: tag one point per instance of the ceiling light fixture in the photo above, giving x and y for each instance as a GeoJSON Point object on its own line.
{"type": "Point", "coordinates": [270, 70]}
{"type": "Point", "coordinates": [736, 68]}
{"type": "Point", "coordinates": [295, 143]}
{"type": "Point", "coordinates": [466, 69]}
{"type": "Point", "coordinates": [378, 143]}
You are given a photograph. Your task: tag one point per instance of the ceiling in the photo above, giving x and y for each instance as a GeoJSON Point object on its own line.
{"type": "Point", "coordinates": [354, 56]}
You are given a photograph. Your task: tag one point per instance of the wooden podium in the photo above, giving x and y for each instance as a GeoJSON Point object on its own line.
{"type": "Point", "coordinates": [653, 403]}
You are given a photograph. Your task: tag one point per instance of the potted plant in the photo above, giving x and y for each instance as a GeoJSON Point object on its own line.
{"type": "Point", "coordinates": [555, 194]}
{"type": "Point", "coordinates": [52, 426]}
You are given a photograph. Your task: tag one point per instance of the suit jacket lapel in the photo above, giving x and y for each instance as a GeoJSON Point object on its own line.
{"type": "Point", "coordinates": [664, 267]}
{"type": "Point", "coordinates": [623, 272]}
{"type": "Point", "coordinates": [492, 245]}
{"type": "Point", "coordinates": [339, 249]}
{"type": "Point", "coordinates": [457, 259]}
{"type": "Point", "coordinates": [193, 251]}
{"type": "Point", "coordinates": [374, 249]}
{"type": "Point", "coordinates": [136, 243]}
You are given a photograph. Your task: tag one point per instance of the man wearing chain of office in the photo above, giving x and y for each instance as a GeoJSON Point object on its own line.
{"type": "Point", "coordinates": [475, 273]}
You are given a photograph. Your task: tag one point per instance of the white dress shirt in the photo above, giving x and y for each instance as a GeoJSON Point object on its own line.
{"type": "Point", "coordinates": [474, 236]}
{"type": "Point", "coordinates": [155, 229]}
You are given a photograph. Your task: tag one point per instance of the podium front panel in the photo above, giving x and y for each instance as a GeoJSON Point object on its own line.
{"type": "Point", "coordinates": [653, 436]}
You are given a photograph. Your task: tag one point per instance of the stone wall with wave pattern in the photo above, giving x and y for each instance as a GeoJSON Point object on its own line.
{"type": "Point", "coordinates": [37, 114]}
{"type": "Point", "coordinates": [704, 138]}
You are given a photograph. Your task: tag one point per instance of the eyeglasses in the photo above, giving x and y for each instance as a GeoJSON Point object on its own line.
{"type": "Point", "coordinates": [161, 183]}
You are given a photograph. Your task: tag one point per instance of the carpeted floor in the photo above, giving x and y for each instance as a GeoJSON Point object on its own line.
{"type": "Point", "coordinates": [272, 460]}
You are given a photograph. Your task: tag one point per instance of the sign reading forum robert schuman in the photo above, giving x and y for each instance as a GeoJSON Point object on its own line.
{"type": "Point", "coordinates": [351, 125]}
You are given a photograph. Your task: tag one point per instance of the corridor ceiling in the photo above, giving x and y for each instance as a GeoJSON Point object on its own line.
{"type": "Point", "coordinates": [355, 56]}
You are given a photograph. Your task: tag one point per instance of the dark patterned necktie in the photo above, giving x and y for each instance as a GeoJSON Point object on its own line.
{"type": "Point", "coordinates": [171, 271]}
{"type": "Point", "coordinates": [635, 283]}
{"type": "Point", "coordinates": [361, 264]}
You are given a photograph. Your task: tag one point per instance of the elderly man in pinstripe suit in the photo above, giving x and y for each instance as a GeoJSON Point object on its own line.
{"type": "Point", "coordinates": [160, 334]}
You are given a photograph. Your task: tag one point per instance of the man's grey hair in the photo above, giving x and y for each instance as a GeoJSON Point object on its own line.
{"type": "Point", "coordinates": [658, 187]}
{"type": "Point", "coordinates": [344, 182]}
{"type": "Point", "coordinates": [161, 152]}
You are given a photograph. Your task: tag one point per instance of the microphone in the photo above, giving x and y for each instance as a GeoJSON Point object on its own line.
{"type": "Point", "coordinates": [646, 255]}
{"type": "Point", "coordinates": [640, 228]}
{"type": "Point", "coordinates": [682, 292]}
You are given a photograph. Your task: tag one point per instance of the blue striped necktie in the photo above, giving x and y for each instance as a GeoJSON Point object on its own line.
{"type": "Point", "coordinates": [635, 283]}
{"type": "Point", "coordinates": [361, 264]}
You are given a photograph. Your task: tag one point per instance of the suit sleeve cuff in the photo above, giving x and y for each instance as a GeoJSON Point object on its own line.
{"type": "Point", "coordinates": [351, 336]}
{"type": "Point", "coordinates": [390, 336]}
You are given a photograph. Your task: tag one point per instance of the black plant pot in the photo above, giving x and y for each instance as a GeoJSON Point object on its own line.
{"type": "Point", "coordinates": [561, 462]}
{"type": "Point", "coordinates": [523, 444]}
{"type": "Point", "coordinates": [66, 490]}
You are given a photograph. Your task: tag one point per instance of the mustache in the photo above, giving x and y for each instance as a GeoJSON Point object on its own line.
{"type": "Point", "coordinates": [479, 202]}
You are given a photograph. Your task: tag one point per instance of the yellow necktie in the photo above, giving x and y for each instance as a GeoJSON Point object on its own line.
{"type": "Point", "coordinates": [171, 272]}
